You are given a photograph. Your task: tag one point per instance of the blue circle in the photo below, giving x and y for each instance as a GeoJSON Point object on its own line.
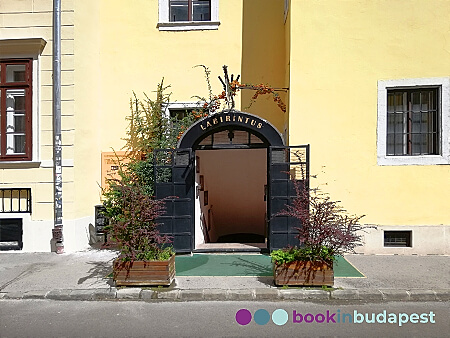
{"type": "Point", "coordinates": [261, 317]}
{"type": "Point", "coordinates": [280, 317]}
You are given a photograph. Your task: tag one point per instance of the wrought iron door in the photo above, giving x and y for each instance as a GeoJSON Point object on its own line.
{"type": "Point", "coordinates": [286, 165]}
{"type": "Point", "coordinates": [174, 182]}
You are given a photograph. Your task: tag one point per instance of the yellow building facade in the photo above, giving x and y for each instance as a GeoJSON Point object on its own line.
{"type": "Point", "coordinates": [367, 88]}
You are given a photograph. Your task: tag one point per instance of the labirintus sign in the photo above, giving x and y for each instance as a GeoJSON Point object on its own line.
{"type": "Point", "coordinates": [235, 118]}
{"type": "Point", "coordinates": [231, 120]}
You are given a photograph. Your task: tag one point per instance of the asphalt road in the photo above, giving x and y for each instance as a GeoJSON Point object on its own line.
{"type": "Point", "coordinates": [47, 318]}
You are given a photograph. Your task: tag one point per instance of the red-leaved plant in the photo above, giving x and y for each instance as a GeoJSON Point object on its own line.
{"type": "Point", "coordinates": [326, 230]}
{"type": "Point", "coordinates": [133, 224]}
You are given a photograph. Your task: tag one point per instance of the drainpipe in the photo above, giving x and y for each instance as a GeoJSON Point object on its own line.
{"type": "Point", "coordinates": [57, 144]}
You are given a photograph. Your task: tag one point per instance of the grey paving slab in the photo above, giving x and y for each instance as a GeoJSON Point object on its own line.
{"type": "Point", "coordinates": [191, 295]}
{"type": "Point", "coordinates": [128, 293]}
{"type": "Point", "coordinates": [35, 294]}
{"type": "Point", "coordinates": [62, 294]}
{"type": "Point", "coordinates": [396, 295]}
{"type": "Point", "coordinates": [266, 294]}
{"type": "Point", "coordinates": [215, 294]}
{"type": "Point", "coordinates": [168, 295]}
{"type": "Point", "coordinates": [15, 295]}
{"type": "Point", "coordinates": [370, 295]}
{"type": "Point", "coordinates": [148, 295]}
{"type": "Point", "coordinates": [345, 294]}
{"type": "Point", "coordinates": [82, 294]}
{"type": "Point", "coordinates": [245, 294]}
{"type": "Point", "coordinates": [84, 275]}
{"type": "Point", "coordinates": [442, 294]}
{"type": "Point", "coordinates": [422, 295]}
{"type": "Point", "coordinates": [100, 294]}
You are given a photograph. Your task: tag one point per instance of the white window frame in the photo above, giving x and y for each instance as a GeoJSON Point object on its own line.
{"type": "Point", "coordinates": [444, 139]}
{"type": "Point", "coordinates": [165, 25]}
{"type": "Point", "coordinates": [181, 105]}
{"type": "Point", "coordinates": [19, 49]}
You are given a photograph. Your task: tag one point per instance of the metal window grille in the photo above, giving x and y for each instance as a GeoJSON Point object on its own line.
{"type": "Point", "coordinates": [413, 122]}
{"type": "Point", "coordinates": [397, 238]}
{"type": "Point", "coordinates": [15, 200]}
{"type": "Point", "coordinates": [231, 137]}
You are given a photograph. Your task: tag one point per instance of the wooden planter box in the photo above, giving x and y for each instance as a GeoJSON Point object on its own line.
{"type": "Point", "coordinates": [304, 273]}
{"type": "Point", "coordinates": [140, 273]}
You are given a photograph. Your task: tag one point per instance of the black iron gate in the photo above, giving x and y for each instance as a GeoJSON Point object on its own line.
{"type": "Point", "coordinates": [286, 165]}
{"type": "Point", "coordinates": [174, 182]}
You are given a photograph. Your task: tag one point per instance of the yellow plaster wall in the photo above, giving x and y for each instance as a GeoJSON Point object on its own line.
{"type": "Point", "coordinates": [33, 19]}
{"type": "Point", "coordinates": [118, 50]}
{"type": "Point", "coordinates": [339, 50]}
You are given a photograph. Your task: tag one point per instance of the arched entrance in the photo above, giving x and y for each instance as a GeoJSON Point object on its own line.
{"type": "Point", "coordinates": [230, 176]}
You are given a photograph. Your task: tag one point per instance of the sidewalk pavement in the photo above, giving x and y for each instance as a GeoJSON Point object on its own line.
{"type": "Point", "coordinates": [83, 276]}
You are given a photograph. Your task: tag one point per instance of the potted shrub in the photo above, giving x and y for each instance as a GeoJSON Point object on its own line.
{"type": "Point", "coordinates": [326, 231]}
{"type": "Point", "coordinates": [145, 256]}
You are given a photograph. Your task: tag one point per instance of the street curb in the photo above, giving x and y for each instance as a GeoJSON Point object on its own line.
{"type": "Point", "coordinates": [263, 294]}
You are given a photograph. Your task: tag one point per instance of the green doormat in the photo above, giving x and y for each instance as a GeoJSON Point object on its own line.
{"type": "Point", "coordinates": [243, 265]}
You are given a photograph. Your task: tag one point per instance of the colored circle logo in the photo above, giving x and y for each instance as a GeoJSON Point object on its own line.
{"type": "Point", "coordinates": [280, 317]}
{"type": "Point", "coordinates": [243, 317]}
{"type": "Point", "coordinates": [261, 317]}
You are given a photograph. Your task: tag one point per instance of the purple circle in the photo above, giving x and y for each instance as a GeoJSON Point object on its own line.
{"type": "Point", "coordinates": [243, 317]}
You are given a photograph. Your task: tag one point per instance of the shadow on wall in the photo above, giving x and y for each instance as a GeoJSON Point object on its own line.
{"type": "Point", "coordinates": [264, 56]}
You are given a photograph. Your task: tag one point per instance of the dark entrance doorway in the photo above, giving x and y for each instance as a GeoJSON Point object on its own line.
{"type": "Point", "coordinates": [234, 209]}
{"type": "Point", "coordinates": [231, 175]}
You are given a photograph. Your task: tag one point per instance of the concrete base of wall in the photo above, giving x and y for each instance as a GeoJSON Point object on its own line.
{"type": "Point", "coordinates": [37, 235]}
{"type": "Point", "coordinates": [426, 240]}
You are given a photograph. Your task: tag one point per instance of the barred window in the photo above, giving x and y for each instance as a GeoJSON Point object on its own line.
{"type": "Point", "coordinates": [413, 122]}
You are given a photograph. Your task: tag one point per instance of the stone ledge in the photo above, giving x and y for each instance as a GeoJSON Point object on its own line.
{"type": "Point", "coordinates": [128, 293]}
{"type": "Point", "coordinates": [105, 294]}
{"type": "Point", "coordinates": [191, 295]}
{"type": "Point", "coordinates": [345, 294]}
{"type": "Point", "coordinates": [266, 294]}
{"type": "Point", "coordinates": [215, 294]}
{"type": "Point", "coordinates": [370, 294]}
{"type": "Point", "coordinates": [442, 294]}
{"type": "Point", "coordinates": [301, 294]}
{"type": "Point", "coordinates": [242, 294]}
{"type": "Point", "coordinates": [262, 294]}
{"type": "Point", "coordinates": [59, 294]}
{"type": "Point", "coordinates": [392, 294]}
{"type": "Point", "coordinates": [148, 295]}
{"type": "Point", "coordinates": [36, 294]}
{"type": "Point", "coordinates": [168, 295]}
{"type": "Point", "coordinates": [422, 295]}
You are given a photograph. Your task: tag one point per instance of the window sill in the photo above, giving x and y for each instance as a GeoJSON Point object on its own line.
{"type": "Point", "coordinates": [188, 25]}
{"type": "Point", "coordinates": [413, 160]}
{"type": "Point", "coordinates": [19, 164]}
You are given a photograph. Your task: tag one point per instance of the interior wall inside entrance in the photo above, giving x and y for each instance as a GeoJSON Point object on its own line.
{"type": "Point", "coordinates": [234, 181]}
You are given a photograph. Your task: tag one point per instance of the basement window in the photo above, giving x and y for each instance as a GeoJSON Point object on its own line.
{"type": "Point", "coordinates": [401, 239]}
{"type": "Point", "coordinates": [11, 234]}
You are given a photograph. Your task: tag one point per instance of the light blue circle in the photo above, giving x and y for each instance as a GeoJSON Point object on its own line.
{"type": "Point", "coordinates": [280, 317]}
{"type": "Point", "coordinates": [261, 317]}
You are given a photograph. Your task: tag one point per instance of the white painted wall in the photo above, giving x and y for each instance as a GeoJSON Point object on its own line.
{"type": "Point", "coordinates": [37, 235]}
{"type": "Point", "coordinates": [426, 240]}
